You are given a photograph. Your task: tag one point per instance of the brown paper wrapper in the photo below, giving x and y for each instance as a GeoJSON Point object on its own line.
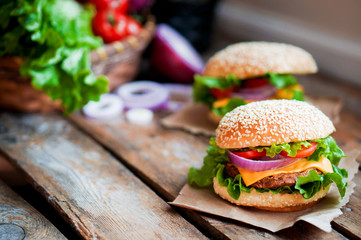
{"type": "Point", "coordinates": [193, 118]}
{"type": "Point", "coordinates": [320, 215]}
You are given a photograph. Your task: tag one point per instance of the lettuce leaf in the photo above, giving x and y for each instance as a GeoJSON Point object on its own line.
{"type": "Point", "coordinates": [298, 95]}
{"type": "Point", "coordinates": [327, 147]}
{"type": "Point", "coordinates": [232, 104]}
{"type": "Point", "coordinates": [308, 186]}
{"type": "Point", "coordinates": [290, 148]}
{"type": "Point", "coordinates": [216, 156]}
{"type": "Point", "coordinates": [55, 38]}
{"type": "Point", "coordinates": [281, 80]}
{"type": "Point", "coordinates": [202, 93]}
{"type": "Point", "coordinates": [203, 84]}
{"type": "Point", "coordinates": [214, 166]}
{"type": "Point", "coordinates": [219, 83]}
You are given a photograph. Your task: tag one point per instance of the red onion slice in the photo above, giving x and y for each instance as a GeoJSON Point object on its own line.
{"type": "Point", "coordinates": [143, 94]}
{"type": "Point", "coordinates": [174, 56]}
{"type": "Point", "coordinates": [257, 165]}
{"type": "Point", "coordinates": [109, 106]}
{"type": "Point", "coordinates": [260, 93]}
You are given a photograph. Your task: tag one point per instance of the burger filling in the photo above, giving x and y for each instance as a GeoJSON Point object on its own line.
{"type": "Point", "coordinates": [306, 180]}
{"type": "Point", "coordinates": [273, 181]}
{"type": "Point", "coordinates": [223, 95]}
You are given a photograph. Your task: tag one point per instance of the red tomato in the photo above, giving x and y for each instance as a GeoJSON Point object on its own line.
{"type": "Point", "coordinates": [304, 152]}
{"type": "Point", "coordinates": [116, 5]}
{"type": "Point", "coordinates": [113, 26]}
{"type": "Point", "coordinates": [254, 83]}
{"type": "Point", "coordinates": [251, 154]}
{"type": "Point", "coordinates": [221, 93]}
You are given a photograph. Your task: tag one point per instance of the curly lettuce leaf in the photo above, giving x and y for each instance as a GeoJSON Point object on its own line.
{"type": "Point", "coordinates": [55, 38]}
{"type": "Point", "coordinates": [290, 148]}
{"type": "Point", "coordinates": [281, 80]}
{"type": "Point", "coordinates": [203, 84]}
{"type": "Point", "coordinates": [298, 95]}
{"type": "Point", "coordinates": [327, 147]}
{"type": "Point", "coordinates": [219, 83]}
{"type": "Point", "coordinates": [232, 104]}
{"type": "Point", "coordinates": [308, 186]}
{"type": "Point", "coordinates": [216, 156]}
{"type": "Point", "coordinates": [202, 93]}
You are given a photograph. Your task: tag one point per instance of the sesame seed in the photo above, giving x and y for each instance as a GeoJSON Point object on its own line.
{"type": "Point", "coordinates": [273, 121]}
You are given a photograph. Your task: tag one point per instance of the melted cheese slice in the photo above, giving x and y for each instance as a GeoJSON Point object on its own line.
{"type": "Point", "coordinates": [221, 102]}
{"type": "Point", "coordinates": [249, 177]}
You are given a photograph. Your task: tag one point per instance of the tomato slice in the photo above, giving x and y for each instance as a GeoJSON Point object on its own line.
{"type": "Point", "coordinates": [302, 153]}
{"type": "Point", "coordinates": [221, 93]}
{"type": "Point", "coordinates": [251, 154]}
{"type": "Point", "coordinates": [254, 83]}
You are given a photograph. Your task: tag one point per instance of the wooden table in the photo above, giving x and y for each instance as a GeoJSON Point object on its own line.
{"type": "Point", "coordinates": [112, 180]}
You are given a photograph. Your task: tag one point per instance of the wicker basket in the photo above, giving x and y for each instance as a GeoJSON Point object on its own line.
{"type": "Point", "coordinates": [119, 61]}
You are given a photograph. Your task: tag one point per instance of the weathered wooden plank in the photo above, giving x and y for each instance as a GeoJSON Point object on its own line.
{"type": "Point", "coordinates": [19, 220]}
{"type": "Point", "coordinates": [348, 133]}
{"type": "Point", "coordinates": [162, 157]}
{"type": "Point", "coordinates": [349, 222]}
{"type": "Point", "coordinates": [10, 175]}
{"type": "Point", "coordinates": [91, 189]}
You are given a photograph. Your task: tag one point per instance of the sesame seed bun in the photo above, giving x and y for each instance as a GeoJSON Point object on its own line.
{"type": "Point", "coordinates": [254, 59]}
{"type": "Point", "coordinates": [270, 122]}
{"type": "Point", "coordinates": [281, 202]}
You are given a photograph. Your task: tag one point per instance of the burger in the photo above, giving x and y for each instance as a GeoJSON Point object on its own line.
{"type": "Point", "coordinates": [251, 71]}
{"type": "Point", "coordinates": [275, 155]}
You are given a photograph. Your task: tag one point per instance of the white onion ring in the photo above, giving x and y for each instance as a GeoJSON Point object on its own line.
{"type": "Point", "coordinates": [260, 93]}
{"type": "Point", "coordinates": [109, 106]}
{"type": "Point", "coordinates": [143, 94]}
{"type": "Point", "coordinates": [257, 165]}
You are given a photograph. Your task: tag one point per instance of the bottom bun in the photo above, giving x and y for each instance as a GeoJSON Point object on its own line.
{"type": "Point", "coordinates": [280, 202]}
{"type": "Point", "coordinates": [214, 117]}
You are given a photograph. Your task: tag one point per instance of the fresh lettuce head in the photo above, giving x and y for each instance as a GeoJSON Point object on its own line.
{"type": "Point", "coordinates": [216, 158]}
{"type": "Point", "coordinates": [55, 38]}
{"type": "Point", "coordinates": [203, 85]}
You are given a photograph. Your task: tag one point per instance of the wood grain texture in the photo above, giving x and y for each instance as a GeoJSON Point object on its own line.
{"type": "Point", "coordinates": [19, 220]}
{"type": "Point", "coordinates": [348, 133]}
{"type": "Point", "coordinates": [350, 222]}
{"type": "Point", "coordinates": [89, 188]}
{"type": "Point", "coordinates": [162, 157]}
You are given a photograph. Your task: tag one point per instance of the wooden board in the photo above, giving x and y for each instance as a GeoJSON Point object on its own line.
{"type": "Point", "coordinates": [162, 157]}
{"type": "Point", "coordinates": [348, 133]}
{"type": "Point", "coordinates": [350, 222]}
{"type": "Point", "coordinates": [92, 190]}
{"type": "Point", "coordinates": [19, 220]}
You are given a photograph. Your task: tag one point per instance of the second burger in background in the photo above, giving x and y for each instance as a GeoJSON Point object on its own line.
{"type": "Point", "coordinates": [251, 71]}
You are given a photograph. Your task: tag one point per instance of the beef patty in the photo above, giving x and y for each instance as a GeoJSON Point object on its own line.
{"type": "Point", "coordinates": [275, 181]}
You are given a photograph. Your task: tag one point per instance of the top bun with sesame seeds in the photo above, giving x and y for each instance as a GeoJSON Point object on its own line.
{"type": "Point", "coordinates": [254, 59]}
{"type": "Point", "coordinates": [270, 122]}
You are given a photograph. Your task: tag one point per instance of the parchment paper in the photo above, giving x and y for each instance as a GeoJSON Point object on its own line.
{"type": "Point", "coordinates": [193, 118]}
{"type": "Point", "coordinates": [320, 215]}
